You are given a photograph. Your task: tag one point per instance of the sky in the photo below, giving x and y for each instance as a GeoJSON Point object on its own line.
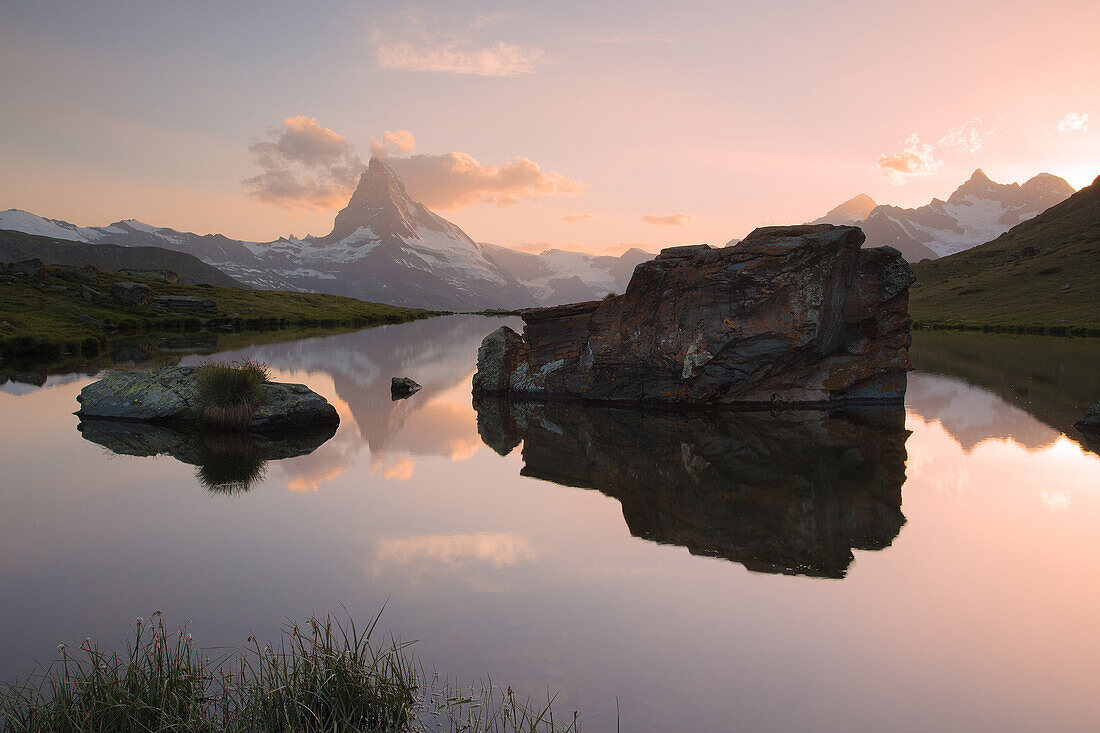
{"type": "Point", "coordinates": [579, 125]}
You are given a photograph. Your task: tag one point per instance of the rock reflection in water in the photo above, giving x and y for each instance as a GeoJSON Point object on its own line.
{"type": "Point", "coordinates": [793, 492]}
{"type": "Point", "coordinates": [226, 463]}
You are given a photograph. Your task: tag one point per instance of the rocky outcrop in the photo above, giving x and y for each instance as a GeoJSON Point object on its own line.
{"type": "Point", "coordinates": [170, 395]}
{"type": "Point", "coordinates": [791, 315]}
{"type": "Point", "coordinates": [791, 492]}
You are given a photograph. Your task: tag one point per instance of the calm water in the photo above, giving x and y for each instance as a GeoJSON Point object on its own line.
{"type": "Point", "coordinates": [931, 569]}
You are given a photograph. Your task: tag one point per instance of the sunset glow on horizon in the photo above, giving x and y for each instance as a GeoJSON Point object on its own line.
{"type": "Point", "coordinates": [535, 126]}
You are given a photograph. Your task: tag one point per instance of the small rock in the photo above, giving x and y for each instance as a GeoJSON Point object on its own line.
{"type": "Point", "coordinates": [1090, 423]}
{"type": "Point", "coordinates": [131, 293]}
{"type": "Point", "coordinates": [402, 387]}
{"type": "Point", "coordinates": [87, 274]}
{"type": "Point", "coordinates": [90, 295]}
{"type": "Point", "coordinates": [85, 318]}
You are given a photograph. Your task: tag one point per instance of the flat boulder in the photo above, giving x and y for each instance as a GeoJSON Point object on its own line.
{"type": "Point", "coordinates": [186, 303]}
{"type": "Point", "coordinates": [169, 395]}
{"type": "Point", "coordinates": [790, 316]}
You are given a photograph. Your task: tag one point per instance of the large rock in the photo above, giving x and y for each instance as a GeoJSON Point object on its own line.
{"type": "Point", "coordinates": [791, 315]}
{"type": "Point", "coordinates": [170, 395]}
{"type": "Point", "coordinates": [787, 492]}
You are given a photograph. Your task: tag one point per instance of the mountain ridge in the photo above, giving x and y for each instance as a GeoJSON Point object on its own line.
{"type": "Point", "coordinates": [1043, 272]}
{"type": "Point", "coordinates": [975, 212]}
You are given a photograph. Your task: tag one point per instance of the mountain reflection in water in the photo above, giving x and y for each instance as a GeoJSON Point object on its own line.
{"type": "Point", "coordinates": [792, 492]}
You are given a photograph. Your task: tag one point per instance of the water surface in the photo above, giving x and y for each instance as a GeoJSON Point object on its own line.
{"type": "Point", "coordinates": [929, 569]}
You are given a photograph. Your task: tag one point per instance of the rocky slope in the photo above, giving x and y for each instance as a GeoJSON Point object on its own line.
{"type": "Point", "coordinates": [797, 315]}
{"type": "Point", "coordinates": [1044, 272]}
{"type": "Point", "coordinates": [976, 212]}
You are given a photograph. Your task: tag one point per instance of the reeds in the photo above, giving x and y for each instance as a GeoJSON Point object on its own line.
{"type": "Point", "coordinates": [230, 393]}
{"type": "Point", "coordinates": [326, 675]}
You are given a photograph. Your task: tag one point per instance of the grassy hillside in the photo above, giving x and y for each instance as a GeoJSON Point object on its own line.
{"type": "Point", "coordinates": [1042, 275]}
{"type": "Point", "coordinates": [17, 246]}
{"type": "Point", "coordinates": [48, 315]}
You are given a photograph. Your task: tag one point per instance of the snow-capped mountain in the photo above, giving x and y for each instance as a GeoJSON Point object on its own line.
{"type": "Point", "coordinates": [852, 211]}
{"type": "Point", "coordinates": [386, 247]}
{"type": "Point", "coordinates": [559, 276]}
{"type": "Point", "coordinates": [978, 211]}
{"type": "Point", "coordinates": [383, 247]}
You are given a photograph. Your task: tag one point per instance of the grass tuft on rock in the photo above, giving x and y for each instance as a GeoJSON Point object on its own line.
{"type": "Point", "coordinates": [230, 393]}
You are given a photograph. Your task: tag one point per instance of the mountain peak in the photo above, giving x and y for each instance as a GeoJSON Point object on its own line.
{"type": "Point", "coordinates": [980, 186]}
{"type": "Point", "coordinates": [380, 204]}
{"type": "Point", "coordinates": [1048, 182]}
{"type": "Point", "coordinates": [854, 210]}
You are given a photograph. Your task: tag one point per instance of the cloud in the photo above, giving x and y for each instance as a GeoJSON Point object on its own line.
{"type": "Point", "coordinates": [1074, 122]}
{"type": "Point", "coordinates": [915, 159]}
{"type": "Point", "coordinates": [667, 220]}
{"type": "Point", "coordinates": [494, 549]}
{"type": "Point", "coordinates": [455, 180]}
{"type": "Point", "coordinates": [966, 138]}
{"type": "Point", "coordinates": [303, 165]}
{"type": "Point", "coordinates": [408, 43]}
{"type": "Point", "coordinates": [574, 218]}
{"type": "Point", "coordinates": [392, 143]}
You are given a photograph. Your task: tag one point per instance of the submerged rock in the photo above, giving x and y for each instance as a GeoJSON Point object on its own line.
{"type": "Point", "coordinates": [791, 315]}
{"type": "Point", "coordinates": [790, 492]}
{"type": "Point", "coordinates": [170, 395]}
{"type": "Point", "coordinates": [1090, 423]}
{"type": "Point", "coordinates": [402, 387]}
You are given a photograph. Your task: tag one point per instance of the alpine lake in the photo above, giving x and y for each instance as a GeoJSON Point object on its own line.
{"type": "Point", "coordinates": [928, 569]}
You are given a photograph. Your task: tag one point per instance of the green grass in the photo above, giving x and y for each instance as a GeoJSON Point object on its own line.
{"type": "Point", "coordinates": [45, 321]}
{"type": "Point", "coordinates": [229, 393]}
{"type": "Point", "coordinates": [1042, 276]}
{"type": "Point", "coordinates": [324, 676]}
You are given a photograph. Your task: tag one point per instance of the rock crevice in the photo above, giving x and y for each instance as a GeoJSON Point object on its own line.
{"type": "Point", "coordinates": [791, 315]}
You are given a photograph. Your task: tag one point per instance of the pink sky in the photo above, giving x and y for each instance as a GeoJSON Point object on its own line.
{"type": "Point", "coordinates": [572, 126]}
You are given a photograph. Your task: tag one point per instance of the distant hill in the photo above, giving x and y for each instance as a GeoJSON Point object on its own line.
{"type": "Point", "coordinates": [976, 212]}
{"type": "Point", "coordinates": [1043, 272]}
{"type": "Point", "coordinates": [559, 276]}
{"type": "Point", "coordinates": [17, 246]}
